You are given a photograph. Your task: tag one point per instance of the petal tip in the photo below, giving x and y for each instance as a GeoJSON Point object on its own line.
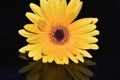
{"type": "Point", "coordinates": [20, 31]}
{"type": "Point", "coordinates": [22, 51]}
{"type": "Point", "coordinates": [82, 60]}
{"type": "Point", "coordinates": [27, 13]}
{"type": "Point", "coordinates": [95, 47]}
{"type": "Point", "coordinates": [95, 20]}
{"type": "Point", "coordinates": [31, 4]}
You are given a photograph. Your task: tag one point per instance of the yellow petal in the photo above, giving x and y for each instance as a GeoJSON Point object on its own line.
{"type": "Point", "coordinates": [45, 59]}
{"type": "Point", "coordinates": [80, 57]}
{"type": "Point", "coordinates": [84, 29]}
{"type": "Point", "coordinates": [85, 53]}
{"type": "Point", "coordinates": [82, 44]}
{"type": "Point", "coordinates": [58, 61]}
{"type": "Point", "coordinates": [65, 59]}
{"type": "Point", "coordinates": [56, 10]}
{"type": "Point", "coordinates": [87, 38]}
{"type": "Point", "coordinates": [36, 54]}
{"type": "Point", "coordinates": [93, 33]}
{"type": "Point", "coordinates": [35, 28]}
{"type": "Point", "coordinates": [75, 52]}
{"type": "Point", "coordinates": [49, 51]}
{"type": "Point", "coordinates": [28, 47]}
{"type": "Point", "coordinates": [35, 18]}
{"type": "Point", "coordinates": [59, 54]}
{"type": "Point", "coordinates": [73, 58]}
{"type": "Point", "coordinates": [45, 10]}
{"type": "Point", "coordinates": [36, 9]}
{"type": "Point", "coordinates": [81, 23]}
{"type": "Point", "coordinates": [56, 53]}
{"type": "Point", "coordinates": [61, 10]}
{"type": "Point", "coordinates": [38, 57]}
{"type": "Point", "coordinates": [50, 58]}
{"type": "Point", "coordinates": [88, 28]}
{"type": "Point", "coordinates": [25, 33]}
{"type": "Point", "coordinates": [52, 8]}
{"type": "Point", "coordinates": [32, 28]}
{"type": "Point", "coordinates": [72, 11]}
{"type": "Point", "coordinates": [71, 48]}
{"type": "Point", "coordinates": [38, 38]}
{"type": "Point", "coordinates": [94, 46]}
{"type": "Point", "coordinates": [46, 50]}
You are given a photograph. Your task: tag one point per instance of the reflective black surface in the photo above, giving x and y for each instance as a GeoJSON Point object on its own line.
{"type": "Point", "coordinates": [12, 19]}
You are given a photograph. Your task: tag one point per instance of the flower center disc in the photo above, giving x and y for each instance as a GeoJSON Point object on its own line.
{"type": "Point", "coordinates": [59, 35]}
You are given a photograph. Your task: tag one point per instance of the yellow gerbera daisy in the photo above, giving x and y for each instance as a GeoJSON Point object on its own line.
{"type": "Point", "coordinates": [54, 36]}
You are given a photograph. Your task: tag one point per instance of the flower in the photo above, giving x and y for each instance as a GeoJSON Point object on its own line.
{"type": "Point", "coordinates": [53, 34]}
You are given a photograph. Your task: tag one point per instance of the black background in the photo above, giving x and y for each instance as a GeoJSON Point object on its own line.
{"type": "Point", "coordinates": [12, 19]}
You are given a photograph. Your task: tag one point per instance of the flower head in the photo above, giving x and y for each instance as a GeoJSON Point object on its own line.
{"type": "Point", "coordinates": [53, 34]}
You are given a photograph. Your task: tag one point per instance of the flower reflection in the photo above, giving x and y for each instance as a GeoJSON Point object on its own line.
{"type": "Point", "coordinates": [51, 71]}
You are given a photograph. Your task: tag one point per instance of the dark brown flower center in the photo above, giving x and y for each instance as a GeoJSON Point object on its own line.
{"type": "Point", "coordinates": [59, 35]}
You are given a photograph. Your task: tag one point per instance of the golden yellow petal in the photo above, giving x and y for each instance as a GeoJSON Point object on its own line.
{"type": "Point", "coordinates": [52, 4]}
{"type": "Point", "coordinates": [38, 38]}
{"type": "Point", "coordinates": [84, 29]}
{"type": "Point", "coordinates": [76, 53]}
{"type": "Point", "coordinates": [28, 47]}
{"type": "Point", "coordinates": [89, 39]}
{"type": "Point", "coordinates": [94, 46]}
{"type": "Point", "coordinates": [35, 19]}
{"type": "Point", "coordinates": [59, 58]}
{"type": "Point", "coordinates": [80, 57]}
{"type": "Point", "coordinates": [69, 54]}
{"type": "Point", "coordinates": [53, 10]}
{"type": "Point", "coordinates": [45, 59]}
{"type": "Point", "coordinates": [45, 10]}
{"type": "Point", "coordinates": [46, 54]}
{"type": "Point", "coordinates": [71, 48]}
{"type": "Point", "coordinates": [88, 28]}
{"type": "Point", "coordinates": [59, 52]}
{"type": "Point", "coordinates": [36, 54]}
{"type": "Point", "coordinates": [32, 28]}
{"type": "Point", "coordinates": [58, 61]}
{"type": "Point", "coordinates": [61, 10]}
{"type": "Point", "coordinates": [82, 44]}
{"type": "Point", "coordinates": [72, 11]}
{"type": "Point", "coordinates": [46, 50]}
{"type": "Point", "coordinates": [86, 38]}
{"type": "Point", "coordinates": [50, 58]}
{"type": "Point", "coordinates": [85, 53]}
{"type": "Point", "coordinates": [36, 9]}
{"type": "Point", "coordinates": [38, 57]}
{"type": "Point", "coordinates": [93, 33]}
{"type": "Point", "coordinates": [65, 59]}
{"type": "Point", "coordinates": [25, 33]}
{"type": "Point", "coordinates": [81, 23]}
